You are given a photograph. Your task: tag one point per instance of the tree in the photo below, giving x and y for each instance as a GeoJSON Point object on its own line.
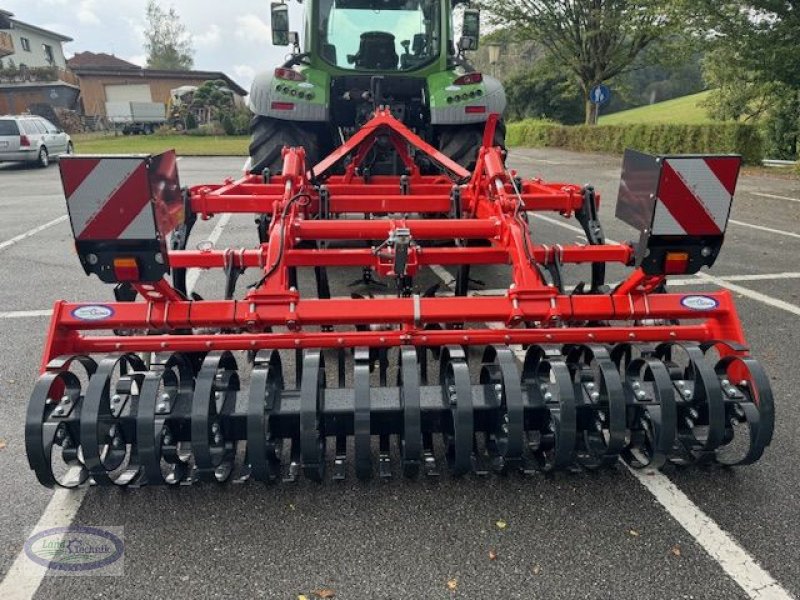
{"type": "Point", "coordinates": [544, 92]}
{"type": "Point", "coordinates": [215, 96]}
{"type": "Point", "coordinates": [167, 43]}
{"type": "Point", "coordinates": [752, 65]}
{"type": "Point", "coordinates": [596, 40]}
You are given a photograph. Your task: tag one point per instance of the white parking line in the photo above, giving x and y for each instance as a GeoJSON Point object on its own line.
{"type": "Point", "coordinates": [767, 229]}
{"type": "Point", "coordinates": [560, 223]}
{"type": "Point", "coordinates": [25, 314]}
{"type": "Point", "coordinates": [757, 583]}
{"type": "Point", "coordinates": [739, 278]}
{"type": "Point", "coordinates": [773, 196]}
{"type": "Point", "coordinates": [24, 578]}
{"type": "Point", "coordinates": [194, 274]}
{"type": "Point", "coordinates": [32, 232]}
{"type": "Point", "coordinates": [740, 566]}
{"type": "Point", "coordinates": [718, 281]}
{"type": "Point", "coordinates": [752, 294]}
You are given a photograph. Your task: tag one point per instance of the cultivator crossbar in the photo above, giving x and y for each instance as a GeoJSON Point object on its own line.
{"type": "Point", "coordinates": [559, 378]}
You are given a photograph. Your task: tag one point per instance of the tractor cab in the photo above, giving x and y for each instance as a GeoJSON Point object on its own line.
{"type": "Point", "coordinates": [374, 35]}
{"type": "Point", "coordinates": [358, 56]}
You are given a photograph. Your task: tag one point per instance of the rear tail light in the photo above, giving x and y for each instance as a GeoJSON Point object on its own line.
{"type": "Point", "coordinates": [676, 263]}
{"type": "Point", "coordinates": [469, 79]}
{"type": "Point", "coordinates": [24, 142]}
{"type": "Point", "coordinates": [283, 106]}
{"type": "Point", "coordinates": [289, 74]}
{"type": "Point", "coordinates": [475, 110]}
{"type": "Point", "coordinates": [126, 269]}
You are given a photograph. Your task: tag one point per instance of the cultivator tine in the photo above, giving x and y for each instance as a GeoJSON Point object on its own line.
{"type": "Point", "coordinates": [384, 460]}
{"type": "Point", "coordinates": [411, 436]}
{"type": "Point", "coordinates": [292, 472]}
{"type": "Point", "coordinates": [552, 393]}
{"type": "Point", "coordinates": [56, 397]}
{"type": "Point", "coordinates": [266, 386]}
{"type": "Point", "coordinates": [457, 394]}
{"type": "Point", "coordinates": [340, 459]}
{"type": "Point", "coordinates": [501, 377]}
{"type": "Point", "coordinates": [750, 402]}
{"type": "Point", "coordinates": [654, 415]}
{"type": "Point", "coordinates": [109, 457]}
{"type": "Point", "coordinates": [601, 405]}
{"type": "Point", "coordinates": [312, 399]}
{"type": "Point", "coordinates": [429, 458]}
{"type": "Point", "coordinates": [165, 392]}
{"type": "Point", "coordinates": [361, 414]}
{"type": "Point", "coordinates": [341, 362]}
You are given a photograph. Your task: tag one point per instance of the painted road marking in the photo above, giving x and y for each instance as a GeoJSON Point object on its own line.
{"type": "Point", "coordinates": [25, 314]}
{"type": "Point", "coordinates": [740, 566]}
{"type": "Point", "coordinates": [767, 229]}
{"type": "Point", "coordinates": [773, 196]}
{"type": "Point", "coordinates": [720, 282]}
{"type": "Point", "coordinates": [738, 278]}
{"type": "Point", "coordinates": [24, 578]}
{"type": "Point", "coordinates": [194, 274]}
{"type": "Point", "coordinates": [32, 232]}
{"type": "Point", "coordinates": [761, 277]}
{"type": "Point", "coordinates": [753, 295]}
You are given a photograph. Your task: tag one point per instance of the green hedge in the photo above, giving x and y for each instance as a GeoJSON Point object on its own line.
{"type": "Point", "coordinates": [733, 138]}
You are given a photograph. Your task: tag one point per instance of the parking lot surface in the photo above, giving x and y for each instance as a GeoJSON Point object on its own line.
{"type": "Point", "coordinates": [704, 534]}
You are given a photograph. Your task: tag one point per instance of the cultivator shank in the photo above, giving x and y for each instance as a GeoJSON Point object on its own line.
{"type": "Point", "coordinates": [162, 386]}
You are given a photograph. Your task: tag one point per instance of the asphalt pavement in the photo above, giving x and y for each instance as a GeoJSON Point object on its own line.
{"type": "Point", "coordinates": [570, 536]}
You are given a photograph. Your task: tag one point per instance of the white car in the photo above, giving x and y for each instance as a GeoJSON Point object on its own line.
{"type": "Point", "coordinates": [32, 139]}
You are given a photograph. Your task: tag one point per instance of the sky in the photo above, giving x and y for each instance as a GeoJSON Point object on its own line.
{"type": "Point", "coordinates": [232, 36]}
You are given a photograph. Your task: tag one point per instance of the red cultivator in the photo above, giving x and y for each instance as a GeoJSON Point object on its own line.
{"type": "Point", "coordinates": [561, 378]}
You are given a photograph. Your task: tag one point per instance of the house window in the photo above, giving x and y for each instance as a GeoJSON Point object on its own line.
{"type": "Point", "coordinates": [48, 53]}
{"type": "Point", "coordinates": [26, 44]}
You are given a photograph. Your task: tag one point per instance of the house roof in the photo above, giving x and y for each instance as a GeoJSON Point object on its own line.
{"type": "Point", "coordinates": [40, 30]}
{"type": "Point", "coordinates": [104, 71]}
{"type": "Point", "coordinates": [92, 60]}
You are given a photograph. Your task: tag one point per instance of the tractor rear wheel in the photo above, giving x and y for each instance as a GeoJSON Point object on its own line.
{"type": "Point", "coordinates": [270, 136]}
{"type": "Point", "coordinates": [462, 142]}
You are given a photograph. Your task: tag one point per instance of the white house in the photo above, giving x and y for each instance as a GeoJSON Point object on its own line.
{"type": "Point", "coordinates": [29, 45]}
{"type": "Point", "coordinates": [34, 72]}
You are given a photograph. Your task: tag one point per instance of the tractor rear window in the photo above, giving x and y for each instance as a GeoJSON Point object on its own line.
{"type": "Point", "coordinates": [380, 35]}
{"type": "Point", "coordinates": [8, 127]}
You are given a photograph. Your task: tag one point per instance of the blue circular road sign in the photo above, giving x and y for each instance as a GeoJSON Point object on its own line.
{"type": "Point", "coordinates": [600, 94]}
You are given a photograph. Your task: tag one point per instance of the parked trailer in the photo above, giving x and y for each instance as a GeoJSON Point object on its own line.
{"type": "Point", "coordinates": [136, 117]}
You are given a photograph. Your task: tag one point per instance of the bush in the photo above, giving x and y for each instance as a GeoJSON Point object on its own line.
{"type": "Point", "coordinates": [227, 124]}
{"type": "Point", "coordinates": [241, 121]}
{"type": "Point", "coordinates": [544, 92]}
{"type": "Point", "coordinates": [191, 122]}
{"type": "Point", "coordinates": [716, 138]}
{"type": "Point", "coordinates": [207, 130]}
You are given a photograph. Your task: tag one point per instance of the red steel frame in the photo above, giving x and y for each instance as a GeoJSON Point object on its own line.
{"type": "Point", "coordinates": [531, 312]}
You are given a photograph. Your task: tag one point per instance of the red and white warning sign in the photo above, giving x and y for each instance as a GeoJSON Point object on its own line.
{"type": "Point", "coordinates": [121, 197]}
{"type": "Point", "coordinates": [695, 195]}
{"type": "Point", "coordinates": [108, 198]}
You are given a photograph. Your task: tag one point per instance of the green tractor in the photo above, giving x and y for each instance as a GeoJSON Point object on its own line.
{"type": "Point", "coordinates": [358, 55]}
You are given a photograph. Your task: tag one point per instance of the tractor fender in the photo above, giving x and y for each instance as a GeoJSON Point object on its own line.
{"type": "Point", "coordinates": [263, 94]}
{"type": "Point", "coordinates": [494, 99]}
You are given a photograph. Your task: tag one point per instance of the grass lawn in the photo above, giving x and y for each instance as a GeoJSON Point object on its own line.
{"type": "Point", "coordinates": [684, 111]}
{"type": "Point", "coordinates": [184, 145]}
